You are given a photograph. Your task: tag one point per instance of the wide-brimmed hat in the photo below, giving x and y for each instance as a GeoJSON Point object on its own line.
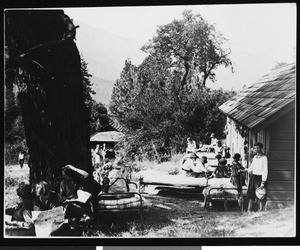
{"type": "Point", "coordinates": [261, 192]}
{"type": "Point", "coordinates": [193, 155]}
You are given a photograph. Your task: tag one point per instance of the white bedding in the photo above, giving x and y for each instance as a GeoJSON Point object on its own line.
{"type": "Point", "coordinates": [153, 177]}
{"type": "Point", "coordinates": [176, 180]}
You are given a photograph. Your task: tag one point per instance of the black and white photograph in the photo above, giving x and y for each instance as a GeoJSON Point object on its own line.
{"type": "Point", "coordinates": [159, 121]}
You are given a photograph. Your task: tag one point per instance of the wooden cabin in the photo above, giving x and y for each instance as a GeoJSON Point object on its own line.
{"type": "Point", "coordinates": [265, 112]}
{"type": "Point", "coordinates": [109, 138]}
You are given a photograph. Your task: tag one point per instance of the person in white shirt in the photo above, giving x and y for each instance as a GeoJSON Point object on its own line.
{"type": "Point", "coordinates": [192, 166]}
{"type": "Point", "coordinates": [214, 140]}
{"type": "Point", "coordinates": [191, 146]}
{"type": "Point", "coordinates": [259, 169]}
{"type": "Point", "coordinates": [21, 159]}
{"type": "Point", "coordinates": [97, 160]}
{"type": "Point", "coordinates": [219, 149]}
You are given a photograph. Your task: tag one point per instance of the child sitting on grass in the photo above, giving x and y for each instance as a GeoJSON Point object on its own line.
{"type": "Point", "coordinates": [21, 215]}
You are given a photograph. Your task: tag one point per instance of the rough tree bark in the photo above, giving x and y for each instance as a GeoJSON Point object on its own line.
{"type": "Point", "coordinates": [45, 61]}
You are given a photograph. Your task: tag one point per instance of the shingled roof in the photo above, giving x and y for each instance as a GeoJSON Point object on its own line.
{"type": "Point", "coordinates": [262, 100]}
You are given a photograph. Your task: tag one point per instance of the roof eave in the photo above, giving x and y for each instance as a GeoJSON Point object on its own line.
{"type": "Point", "coordinates": [274, 117]}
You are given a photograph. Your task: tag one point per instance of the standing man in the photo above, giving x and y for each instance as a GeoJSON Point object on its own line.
{"type": "Point", "coordinates": [21, 159]}
{"type": "Point", "coordinates": [258, 179]}
{"type": "Point", "coordinates": [97, 157]}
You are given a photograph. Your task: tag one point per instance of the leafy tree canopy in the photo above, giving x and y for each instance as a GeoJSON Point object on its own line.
{"type": "Point", "coordinates": [164, 100]}
{"type": "Point", "coordinates": [190, 46]}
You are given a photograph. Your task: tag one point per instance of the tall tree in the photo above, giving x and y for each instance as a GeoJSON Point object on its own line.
{"type": "Point", "coordinates": [87, 84]}
{"type": "Point", "coordinates": [164, 100]}
{"type": "Point", "coordinates": [192, 47]}
{"type": "Point", "coordinates": [47, 70]}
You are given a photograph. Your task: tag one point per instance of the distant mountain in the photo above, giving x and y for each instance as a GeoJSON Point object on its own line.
{"type": "Point", "coordinates": [106, 53]}
{"type": "Point", "coordinates": [103, 89]}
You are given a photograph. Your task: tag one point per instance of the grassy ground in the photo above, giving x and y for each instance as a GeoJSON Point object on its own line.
{"type": "Point", "coordinates": [173, 214]}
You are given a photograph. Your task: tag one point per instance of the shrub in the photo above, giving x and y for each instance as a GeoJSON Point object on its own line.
{"type": "Point", "coordinates": [12, 150]}
{"type": "Point", "coordinates": [11, 182]}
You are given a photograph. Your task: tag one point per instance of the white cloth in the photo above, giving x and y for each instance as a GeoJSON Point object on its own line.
{"type": "Point", "coordinates": [97, 155]}
{"type": "Point", "coordinates": [219, 150]}
{"type": "Point", "coordinates": [21, 156]}
{"type": "Point", "coordinates": [259, 166]}
{"type": "Point", "coordinates": [97, 159]}
{"type": "Point", "coordinates": [196, 166]}
{"type": "Point", "coordinates": [191, 146]}
{"type": "Point", "coordinates": [214, 142]}
{"type": "Point", "coordinates": [117, 185]}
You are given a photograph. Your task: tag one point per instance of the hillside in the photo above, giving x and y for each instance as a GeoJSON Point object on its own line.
{"type": "Point", "coordinates": [105, 52]}
{"type": "Point", "coordinates": [103, 89]}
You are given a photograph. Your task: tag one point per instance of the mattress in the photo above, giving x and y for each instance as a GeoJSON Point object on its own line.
{"type": "Point", "coordinates": [126, 203]}
{"type": "Point", "coordinates": [157, 178]}
{"type": "Point", "coordinates": [218, 188]}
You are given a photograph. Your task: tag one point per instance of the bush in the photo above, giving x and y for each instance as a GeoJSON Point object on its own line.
{"type": "Point", "coordinates": [12, 150]}
{"type": "Point", "coordinates": [11, 182]}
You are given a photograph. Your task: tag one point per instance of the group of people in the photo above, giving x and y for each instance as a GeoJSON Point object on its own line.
{"type": "Point", "coordinates": [257, 167]}
{"type": "Point", "coordinates": [41, 197]}
{"type": "Point", "coordinates": [215, 146]}
{"type": "Point", "coordinates": [113, 174]}
{"type": "Point", "coordinates": [100, 153]}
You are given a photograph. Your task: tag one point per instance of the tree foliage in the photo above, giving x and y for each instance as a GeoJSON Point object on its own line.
{"type": "Point", "coordinates": [192, 47]}
{"type": "Point", "coordinates": [164, 100]}
{"type": "Point", "coordinates": [14, 128]}
{"type": "Point", "coordinates": [98, 112]}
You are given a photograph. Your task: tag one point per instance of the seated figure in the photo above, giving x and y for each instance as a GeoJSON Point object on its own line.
{"type": "Point", "coordinates": [219, 149]}
{"type": "Point", "coordinates": [221, 170]}
{"type": "Point", "coordinates": [191, 146]}
{"type": "Point", "coordinates": [117, 177]}
{"type": "Point", "coordinates": [45, 199]}
{"type": "Point", "coordinates": [192, 166]}
{"type": "Point", "coordinates": [76, 211]}
{"type": "Point", "coordinates": [21, 215]}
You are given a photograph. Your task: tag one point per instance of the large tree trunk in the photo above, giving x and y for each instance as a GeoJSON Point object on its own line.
{"type": "Point", "coordinates": [47, 67]}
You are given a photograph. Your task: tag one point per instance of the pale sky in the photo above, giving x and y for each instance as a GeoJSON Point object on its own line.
{"type": "Point", "coordinates": [259, 35]}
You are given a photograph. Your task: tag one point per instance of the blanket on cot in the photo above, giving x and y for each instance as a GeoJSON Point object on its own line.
{"type": "Point", "coordinates": [217, 188]}
{"type": "Point", "coordinates": [133, 202]}
{"type": "Point", "coordinates": [158, 178]}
